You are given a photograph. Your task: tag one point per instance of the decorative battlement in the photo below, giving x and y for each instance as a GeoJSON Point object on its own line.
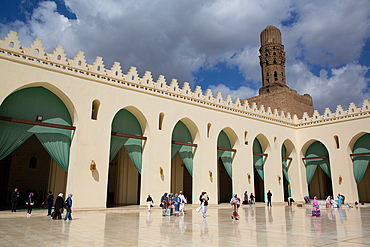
{"type": "Point", "coordinates": [10, 49]}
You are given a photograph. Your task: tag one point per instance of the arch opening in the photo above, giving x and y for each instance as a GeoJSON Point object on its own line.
{"type": "Point", "coordinates": [125, 161]}
{"type": "Point", "coordinates": [182, 161]}
{"type": "Point", "coordinates": [318, 172]}
{"type": "Point", "coordinates": [361, 168]}
{"type": "Point", "coordinates": [34, 157]}
{"type": "Point", "coordinates": [258, 168]}
{"type": "Point", "coordinates": [224, 168]}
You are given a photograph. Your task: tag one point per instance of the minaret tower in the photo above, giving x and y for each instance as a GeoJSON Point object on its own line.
{"type": "Point", "coordinates": [272, 60]}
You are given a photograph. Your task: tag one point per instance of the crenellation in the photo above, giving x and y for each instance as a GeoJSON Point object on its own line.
{"type": "Point", "coordinates": [115, 71]}
{"type": "Point", "coordinates": [132, 75]}
{"type": "Point", "coordinates": [228, 101]}
{"type": "Point", "coordinates": [11, 42]}
{"type": "Point", "coordinates": [79, 60]}
{"type": "Point", "coordinates": [97, 66]}
{"type": "Point", "coordinates": [161, 83]}
{"type": "Point", "coordinates": [36, 49]}
{"type": "Point", "coordinates": [58, 56]}
{"type": "Point", "coordinates": [174, 87]}
{"type": "Point", "coordinates": [198, 94]}
{"type": "Point", "coordinates": [209, 96]}
{"type": "Point", "coordinates": [57, 60]}
{"type": "Point", "coordinates": [147, 79]}
{"type": "Point", "coordinates": [328, 113]}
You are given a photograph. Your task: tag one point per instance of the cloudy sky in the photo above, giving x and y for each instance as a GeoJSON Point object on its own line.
{"type": "Point", "coordinates": [211, 43]}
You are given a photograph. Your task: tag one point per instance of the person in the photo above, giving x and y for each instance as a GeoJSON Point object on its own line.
{"type": "Point", "coordinates": [205, 199]}
{"type": "Point", "coordinates": [328, 202]}
{"type": "Point", "coordinates": [252, 198]}
{"type": "Point", "coordinates": [245, 198]}
{"type": "Point", "coordinates": [169, 204]}
{"type": "Point", "coordinates": [290, 201]}
{"type": "Point", "coordinates": [176, 202]}
{"type": "Point", "coordinates": [235, 204]}
{"type": "Point", "coordinates": [49, 200]}
{"type": "Point", "coordinates": [29, 202]}
{"type": "Point", "coordinates": [333, 202]}
{"type": "Point", "coordinates": [14, 199]}
{"type": "Point", "coordinates": [307, 199]}
{"type": "Point", "coordinates": [343, 198]}
{"type": "Point", "coordinates": [164, 204]}
{"type": "Point", "coordinates": [69, 207]}
{"type": "Point", "coordinates": [183, 201]}
{"type": "Point", "coordinates": [150, 201]}
{"type": "Point", "coordinates": [58, 207]}
{"type": "Point", "coordinates": [340, 200]}
{"type": "Point", "coordinates": [269, 195]}
{"type": "Point", "coordinates": [315, 208]}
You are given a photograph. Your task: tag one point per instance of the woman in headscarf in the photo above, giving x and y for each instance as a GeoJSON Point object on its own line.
{"type": "Point", "coordinates": [30, 201]}
{"type": "Point", "coordinates": [235, 203]}
{"type": "Point", "coordinates": [328, 202]}
{"type": "Point", "coordinates": [340, 200]}
{"type": "Point", "coordinates": [164, 204]}
{"type": "Point", "coordinates": [315, 208]}
{"type": "Point", "coordinates": [169, 204]}
{"type": "Point", "coordinates": [176, 201]}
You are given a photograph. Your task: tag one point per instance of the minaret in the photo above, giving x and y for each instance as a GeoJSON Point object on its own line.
{"type": "Point", "coordinates": [272, 60]}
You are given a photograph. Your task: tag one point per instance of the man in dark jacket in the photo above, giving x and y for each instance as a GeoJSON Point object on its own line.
{"type": "Point", "coordinates": [269, 195]}
{"type": "Point", "coordinates": [58, 208]}
{"type": "Point", "coordinates": [49, 201]}
{"type": "Point", "coordinates": [14, 199]}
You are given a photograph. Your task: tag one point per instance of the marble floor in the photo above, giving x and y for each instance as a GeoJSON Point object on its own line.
{"type": "Point", "coordinates": [134, 226]}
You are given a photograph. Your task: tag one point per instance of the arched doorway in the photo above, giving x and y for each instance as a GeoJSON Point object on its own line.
{"type": "Point", "coordinates": [125, 160]}
{"type": "Point", "coordinates": [259, 187]}
{"type": "Point", "coordinates": [361, 168]}
{"type": "Point", "coordinates": [224, 168]}
{"type": "Point", "coordinates": [182, 161]}
{"type": "Point", "coordinates": [318, 172]}
{"type": "Point", "coordinates": [285, 163]}
{"type": "Point", "coordinates": [35, 139]}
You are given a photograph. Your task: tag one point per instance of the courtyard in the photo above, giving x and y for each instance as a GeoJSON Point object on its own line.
{"type": "Point", "coordinates": [279, 225]}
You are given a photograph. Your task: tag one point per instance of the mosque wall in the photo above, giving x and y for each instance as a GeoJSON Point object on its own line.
{"type": "Point", "coordinates": [204, 115]}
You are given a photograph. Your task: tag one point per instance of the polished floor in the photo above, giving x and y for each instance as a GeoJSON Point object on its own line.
{"type": "Point", "coordinates": [134, 226]}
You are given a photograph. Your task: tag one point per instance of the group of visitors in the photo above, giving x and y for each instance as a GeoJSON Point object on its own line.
{"type": "Point", "coordinates": [170, 202]}
{"type": "Point", "coordinates": [248, 200]}
{"type": "Point", "coordinates": [60, 204]}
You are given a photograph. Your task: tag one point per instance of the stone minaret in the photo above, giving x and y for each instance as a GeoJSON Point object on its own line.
{"type": "Point", "coordinates": [272, 60]}
{"type": "Point", "coordinates": [274, 92]}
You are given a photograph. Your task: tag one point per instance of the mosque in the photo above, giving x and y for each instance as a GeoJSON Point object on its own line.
{"type": "Point", "coordinates": [111, 138]}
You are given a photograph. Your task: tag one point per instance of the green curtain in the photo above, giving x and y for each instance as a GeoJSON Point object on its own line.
{"type": "Point", "coordinates": [125, 122]}
{"type": "Point", "coordinates": [360, 163]}
{"type": "Point", "coordinates": [181, 133]}
{"type": "Point", "coordinates": [27, 104]}
{"type": "Point", "coordinates": [316, 149]}
{"type": "Point", "coordinates": [258, 159]}
{"type": "Point", "coordinates": [285, 167]}
{"type": "Point", "coordinates": [226, 156]}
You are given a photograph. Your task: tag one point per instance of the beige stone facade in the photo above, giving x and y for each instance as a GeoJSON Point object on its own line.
{"type": "Point", "coordinates": [93, 95]}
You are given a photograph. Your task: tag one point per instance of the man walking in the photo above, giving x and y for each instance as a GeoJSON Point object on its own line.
{"type": "Point", "coordinates": [182, 202]}
{"type": "Point", "coordinates": [49, 201]}
{"type": "Point", "coordinates": [14, 199]}
{"type": "Point", "coordinates": [69, 207]}
{"type": "Point", "coordinates": [269, 195]}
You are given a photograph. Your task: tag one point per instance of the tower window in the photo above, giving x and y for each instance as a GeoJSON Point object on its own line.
{"type": "Point", "coordinates": [267, 74]}
{"type": "Point", "coordinates": [275, 76]}
{"type": "Point", "coordinates": [268, 90]}
{"type": "Point", "coordinates": [274, 61]}
{"type": "Point", "coordinates": [267, 54]}
{"type": "Point", "coordinates": [274, 53]}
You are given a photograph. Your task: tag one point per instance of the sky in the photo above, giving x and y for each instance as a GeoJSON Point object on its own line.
{"type": "Point", "coordinates": [210, 43]}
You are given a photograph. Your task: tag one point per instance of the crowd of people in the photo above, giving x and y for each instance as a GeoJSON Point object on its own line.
{"type": "Point", "coordinates": [59, 206]}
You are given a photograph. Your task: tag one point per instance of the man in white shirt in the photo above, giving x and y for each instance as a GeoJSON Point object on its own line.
{"type": "Point", "coordinates": [182, 202]}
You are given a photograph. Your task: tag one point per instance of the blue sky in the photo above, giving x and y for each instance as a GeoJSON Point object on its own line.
{"type": "Point", "coordinates": [211, 43]}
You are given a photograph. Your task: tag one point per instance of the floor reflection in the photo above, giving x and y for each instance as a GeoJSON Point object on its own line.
{"type": "Point", "coordinates": [130, 226]}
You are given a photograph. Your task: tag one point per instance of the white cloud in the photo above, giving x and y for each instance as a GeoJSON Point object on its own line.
{"type": "Point", "coordinates": [242, 92]}
{"type": "Point", "coordinates": [176, 39]}
{"type": "Point", "coordinates": [345, 85]}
